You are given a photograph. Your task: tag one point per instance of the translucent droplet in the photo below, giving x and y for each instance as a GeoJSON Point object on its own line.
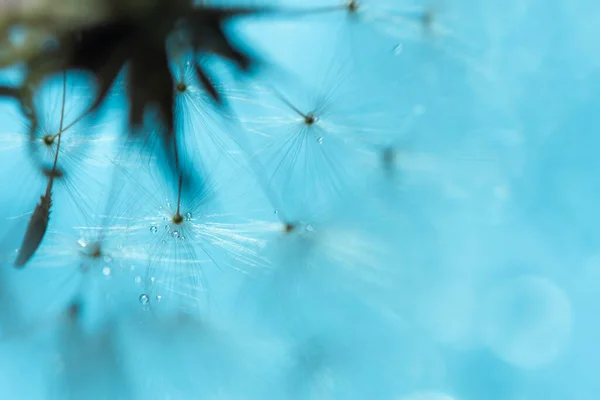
{"type": "Point", "coordinates": [152, 279]}
{"type": "Point", "coordinates": [144, 299]}
{"type": "Point", "coordinates": [182, 237]}
{"type": "Point", "coordinates": [81, 242]}
{"type": "Point", "coordinates": [320, 140]}
{"type": "Point", "coordinates": [106, 271]}
{"type": "Point", "coordinates": [138, 279]}
{"type": "Point", "coordinates": [163, 242]}
{"type": "Point", "coordinates": [175, 234]}
{"type": "Point", "coordinates": [158, 298]}
{"type": "Point", "coordinates": [188, 216]}
{"type": "Point", "coordinates": [167, 228]}
{"type": "Point", "coordinates": [398, 49]}
{"type": "Point", "coordinates": [153, 229]}
{"type": "Point", "coordinates": [275, 212]}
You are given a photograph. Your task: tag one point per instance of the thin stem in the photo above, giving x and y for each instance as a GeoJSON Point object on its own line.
{"type": "Point", "coordinates": [288, 103]}
{"type": "Point", "coordinates": [59, 135]}
{"type": "Point", "coordinates": [180, 185]}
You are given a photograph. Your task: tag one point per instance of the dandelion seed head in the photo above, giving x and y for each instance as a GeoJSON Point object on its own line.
{"type": "Point", "coordinates": [49, 140]}
{"type": "Point", "coordinates": [181, 87]}
{"type": "Point", "coordinates": [310, 119]}
{"type": "Point", "coordinates": [289, 227]}
{"type": "Point", "coordinates": [96, 251]}
{"type": "Point", "coordinates": [177, 219]}
{"type": "Point", "coordinates": [352, 6]}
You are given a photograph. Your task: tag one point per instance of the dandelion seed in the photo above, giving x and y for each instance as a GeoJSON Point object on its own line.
{"type": "Point", "coordinates": [38, 224]}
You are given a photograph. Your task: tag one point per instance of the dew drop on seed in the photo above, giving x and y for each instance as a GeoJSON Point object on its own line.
{"type": "Point", "coordinates": [182, 237]}
{"type": "Point", "coordinates": [158, 298]}
{"type": "Point", "coordinates": [138, 279]}
{"type": "Point", "coordinates": [167, 228]}
{"type": "Point", "coordinates": [163, 242]}
{"type": "Point", "coordinates": [153, 229]}
{"type": "Point", "coordinates": [144, 299]}
{"type": "Point", "coordinates": [398, 49]}
{"type": "Point", "coordinates": [188, 216]}
{"type": "Point", "coordinates": [106, 271]}
{"type": "Point", "coordinates": [152, 279]}
{"type": "Point", "coordinates": [320, 140]}
{"type": "Point", "coordinates": [275, 212]}
{"type": "Point", "coordinates": [81, 242]}
{"type": "Point", "coordinates": [175, 234]}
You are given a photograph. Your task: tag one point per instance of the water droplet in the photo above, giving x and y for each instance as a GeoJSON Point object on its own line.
{"type": "Point", "coordinates": [320, 140]}
{"type": "Point", "coordinates": [158, 298]}
{"type": "Point", "coordinates": [144, 299]}
{"type": "Point", "coordinates": [175, 234]}
{"type": "Point", "coordinates": [167, 228]}
{"type": "Point", "coordinates": [153, 229]}
{"type": "Point", "coordinates": [188, 216]}
{"type": "Point", "coordinates": [275, 212]}
{"type": "Point", "coordinates": [106, 271]}
{"type": "Point", "coordinates": [163, 242]}
{"type": "Point", "coordinates": [398, 49]}
{"type": "Point", "coordinates": [182, 237]}
{"type": "Point", "coordinates": [138, 279]}
{"type": "Point", "coordinates": [152, 279]}
{"type": "Point", "coordinates": [82, 242]}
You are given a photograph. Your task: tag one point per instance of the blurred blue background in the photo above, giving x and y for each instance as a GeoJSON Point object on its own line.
{"type": "Point", "coordinates": [444, 241]}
